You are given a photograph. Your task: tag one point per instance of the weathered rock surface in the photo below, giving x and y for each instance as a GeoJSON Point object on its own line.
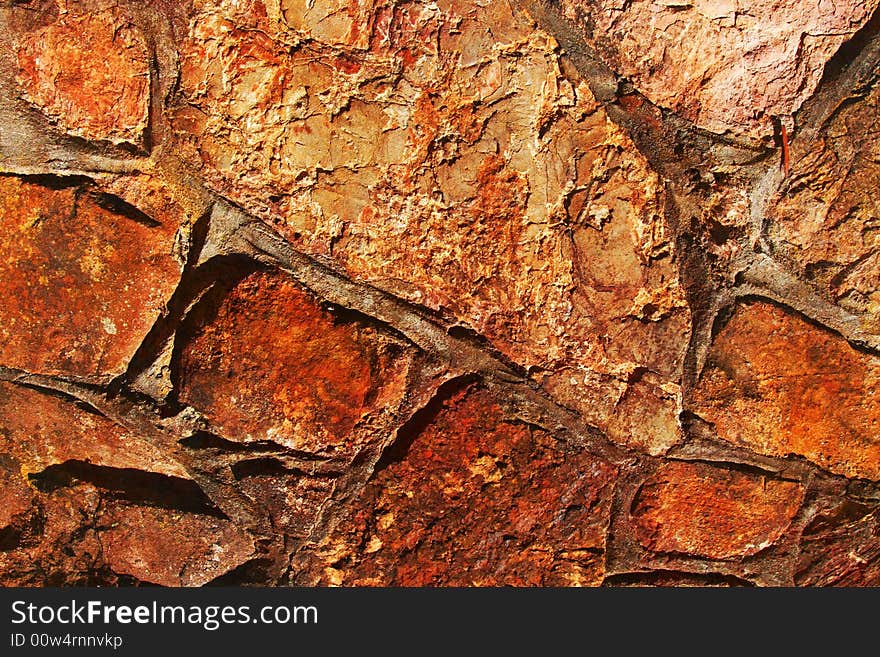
{"type": "Point", "coordinates": [269, 364]}
{"type": "Point", "coordinates": [476, 499]}
{"type": "Point", "coordinates": [826, 223]}
{"type": "Point", "coordinates": [41, 430]}
{"type": "Point", "coordinates": [90, 73]}
{"type": "Point", "coordinates": [84, 279]}
{"type": "Point", "coordinates": [776, 384]}
{"type": "Point", "coordinates": [168, 548]}
{"type": "Point", "coordinates": [17, 498]}
{"type": "Point", "coordinates": [727, 65]}
{"type": "Point", "coordinates": [77, 535]}
{"type": "Point", "coordinates": [406, 293]}
{"type": "Point", "coordinates": [55, 544]}
{"type": "Point", "coordinates": [841, 547]}
{"type": "Point", "coordinates": [439, 152]}
{"type": "Point", "coordinates": [693, 508]}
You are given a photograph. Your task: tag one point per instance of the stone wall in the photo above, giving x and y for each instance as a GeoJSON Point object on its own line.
{"type": "Point", "coordinates": [397, 292]}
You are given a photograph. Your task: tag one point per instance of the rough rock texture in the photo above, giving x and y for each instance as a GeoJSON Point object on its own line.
{"type": "Point", "coordinates": [306, 387]}
{"type": "Point", "coordinates": [475, 500]}
{"type": "Point", "coordinates": [443, 293]}
{"type": "Point", "coordinates": [84, 278]}
{"type": "Point", "coordinates": [726, 65]}
{"type": "Point", "coordinates": [41, 430]}
{"type": "Point", "coordinates": [703, 510]}
{"type": "Point", "coordinates": [778, 385]}
{"type": "Point", "coordinates": [826, 222]}
{"type": "Point", "coordinates": [169, 548]}
{"type": "Point", "coordinates": [89, 73]}
{"type": "Point", "coordinates": [438, 152]}
{"type": "Point", "coordinates": [840, 547]}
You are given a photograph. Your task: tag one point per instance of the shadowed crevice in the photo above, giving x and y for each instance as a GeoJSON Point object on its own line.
{"type": "Point", "coordinates": [675, 578]}
{"type": "Point", "coordinates": [56, 182]}
{"type": "Point", "coordinates": [116, 205]}
{"type": "Point", "coordinates": [254, 572]}
{"type": "Point", "coordinates": [420, 420]}
{"type": "Point", "coordinates": [129, 484]}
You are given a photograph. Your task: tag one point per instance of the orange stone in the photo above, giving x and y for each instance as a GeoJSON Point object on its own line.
{"type": "Point", "coordinates": [777, 384]}
{"type": "Point", "coordinates": [823, 223]}
{"type": "Point", "coordinates": [91, 74]}
{"type": "Point", "coordinates": [170, 548]}
{"type": "Point", "coordinates": [82, 284]}
{"type": "Point", "coordinates": [271, 364]}
{"type": "Point", "coordinates": [42, 430]}
{"type": "Point", "coordinates": [698, 509]}
{"type": "Point", "coordinates": [16, 497]}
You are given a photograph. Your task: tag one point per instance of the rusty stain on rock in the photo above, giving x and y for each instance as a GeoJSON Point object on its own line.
{"type": "Point", "coordinates": [90, 73]}
{"type": "Point", "coordinates": [475, 500]}
{"type": "Point", "coordinates": [270, 364]}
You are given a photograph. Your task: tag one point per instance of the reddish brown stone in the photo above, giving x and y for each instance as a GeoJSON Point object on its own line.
{"type": "Point", "coordinates": [61, 548]}
{"type": "Point", "coordinates": [91, 74]}
{"type": "Point", "coordinates": [697, 509]}
{"type": "Point", "coordinates": [293, 500]}
{"type": "Point", "coordinates": [476, 500]}
{"type": "Point", "coordinates": [41, 430]}
{"type": "Point", "coordinates": [61, 530]}
{"type": "Point", "coordinates": [841, 547]}
{"type": "Point", "coordinates": [80, 536]}
{"type": "Point", "coordinates": [169, 548]}
{"type": "Point", "coordinates": [273, 365]}
{"type": "Point", "coordinates": [779, 385]}
{"type": "Point", "coordinates": [82, 284]}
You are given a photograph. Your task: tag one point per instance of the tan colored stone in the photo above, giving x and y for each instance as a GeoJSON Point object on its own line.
{"type": "Point", "coordinates": [825, 222]}
{"type": "Point", "coordinates": [646, 418]}
{"type": "Point", "coordinates": [448, 160]}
